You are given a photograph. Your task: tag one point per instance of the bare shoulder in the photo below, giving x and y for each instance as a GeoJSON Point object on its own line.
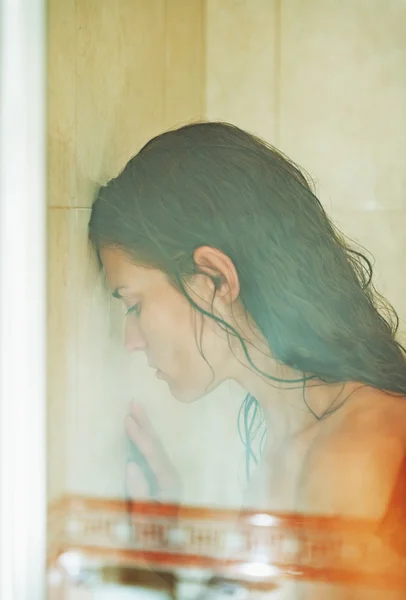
{"type": "Point", "coordinates": [352, 467]}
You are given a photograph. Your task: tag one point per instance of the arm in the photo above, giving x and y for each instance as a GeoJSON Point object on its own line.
{"type": "Point", "coordinates": [359, 476]}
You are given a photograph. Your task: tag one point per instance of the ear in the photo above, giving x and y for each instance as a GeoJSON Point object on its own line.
{"type": "Point", "coordinates": [221, 270]}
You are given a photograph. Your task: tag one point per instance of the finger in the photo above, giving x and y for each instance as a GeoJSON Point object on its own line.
{"type": "Point", "coordinates": [138, 412]}
{"type": "Point", "coordinates": [153, 452]}
{"type": "Point", "coordinates": [136, 483]}
{"type": "Point", "coordinates": [148, 443]}
{"type": "Point", "coordinates": [149, 446]}
{"type": "Point", "coordinates": [146, 433]}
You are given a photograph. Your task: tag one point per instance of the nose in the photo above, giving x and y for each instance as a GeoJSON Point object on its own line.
{"type": "Point", "coordinates": [133, 338]}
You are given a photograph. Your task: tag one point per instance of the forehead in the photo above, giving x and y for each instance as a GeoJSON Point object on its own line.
{"type": "Point", "coordinates": [120, 270]}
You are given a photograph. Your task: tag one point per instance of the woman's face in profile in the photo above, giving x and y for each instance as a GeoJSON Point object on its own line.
{"type": "Point", "coordinates": [161, 322]}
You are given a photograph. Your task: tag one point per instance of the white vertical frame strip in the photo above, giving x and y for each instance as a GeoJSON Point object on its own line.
{"type": "Point", "coordinates": [22, 300]}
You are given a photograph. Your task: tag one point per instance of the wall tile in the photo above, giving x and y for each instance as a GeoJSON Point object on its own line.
{"type": "Point", "coordinates": [61, 102]}
{"type": "Point", "coordinates": [241, 51]}
{"type": "Point", "coordinates": [120, 86]}
{"type": "Point", "coordinates": [184, 62]}
{"type": "Point", "coordinates": [98, 374]}
{"type": "Point", "coordinates": [343, 98]}
{"type": "Point", "coordinates": [126, 90]}
{"type": "Point", "coordinates": [57, 350]}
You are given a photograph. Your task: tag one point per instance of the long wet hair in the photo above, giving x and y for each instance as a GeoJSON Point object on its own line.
{"type": "Point", "coordinates": [307, 289]}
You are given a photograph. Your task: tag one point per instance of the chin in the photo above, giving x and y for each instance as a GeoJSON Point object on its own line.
{"type": "Point", "coordinates": [189, 394]}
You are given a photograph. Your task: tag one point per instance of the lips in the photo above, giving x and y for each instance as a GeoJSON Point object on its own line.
{"type": "Point", "coordinates": [159, 374]}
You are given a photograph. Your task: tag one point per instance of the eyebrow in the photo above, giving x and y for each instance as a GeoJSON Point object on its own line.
{"type": "Point", "coordinates": [116, 293]}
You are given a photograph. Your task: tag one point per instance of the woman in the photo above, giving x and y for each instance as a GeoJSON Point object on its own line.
{"type": "Point", "coordinates": [230, 269]}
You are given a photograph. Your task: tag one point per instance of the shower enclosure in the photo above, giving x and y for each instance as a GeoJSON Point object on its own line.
{"type": "Point", "coordinates": [84, 84]}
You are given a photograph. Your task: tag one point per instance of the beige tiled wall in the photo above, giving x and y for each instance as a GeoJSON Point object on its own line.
{"type": "Point", "coordinates": [343, 117]}
{"type": "Point", "coordinates": [241, 63]}
{"type": "Point", "coordinates": [119, 72]}
{"type": "Point", "coordinates": [325, 81]}
{"type": "Point", "coordinates": [184, 62]}
{"type": "Point", "coordinates": [343, 98]}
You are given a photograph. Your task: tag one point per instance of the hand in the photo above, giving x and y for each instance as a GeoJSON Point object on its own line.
{"type": "Point", "coordinates": [153, 476]}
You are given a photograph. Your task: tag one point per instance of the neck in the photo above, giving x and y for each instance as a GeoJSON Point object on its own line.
{"type": "Point", "coordinates": [291, 406]}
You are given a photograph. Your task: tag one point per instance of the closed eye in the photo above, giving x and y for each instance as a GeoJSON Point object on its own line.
{"type": "Point", "coordinates": [134, 310]}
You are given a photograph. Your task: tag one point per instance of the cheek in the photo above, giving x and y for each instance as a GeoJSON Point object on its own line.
{"type": "Point", "coordinates": [175, 340]}
{"type": "Point", "coordinates": [168, 325]}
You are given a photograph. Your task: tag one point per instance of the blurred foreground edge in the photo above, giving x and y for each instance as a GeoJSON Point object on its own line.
{"type": "Point", "coordinates": [258, 548]}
